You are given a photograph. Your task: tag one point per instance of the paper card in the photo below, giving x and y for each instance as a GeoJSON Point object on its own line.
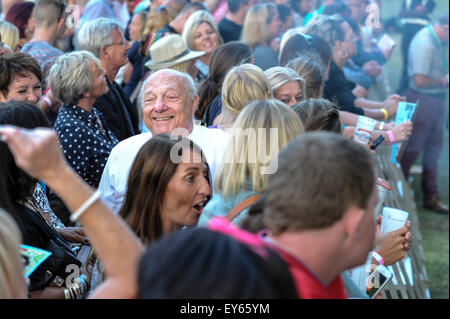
{"type": "Point", "coordinates": [405, 113]}
{"type": "Point", "coordinates": [32, 257]}
{"type": "Point", "coordinates": [386, 42]}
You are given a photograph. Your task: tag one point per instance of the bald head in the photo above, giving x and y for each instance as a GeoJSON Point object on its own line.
{"type": "Point", "coordinates": [169, 101]}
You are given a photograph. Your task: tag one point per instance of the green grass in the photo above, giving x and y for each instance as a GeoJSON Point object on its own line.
{"type": "Point", "coordinates": [434, 227]}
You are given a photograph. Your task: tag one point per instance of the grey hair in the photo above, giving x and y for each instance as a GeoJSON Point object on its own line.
{"type": "Point", "coordinates": [188, 82]}
{"type": "Point", "coordinates": [96, 33]}
{"type": "Point", "coordinates": [279, 76]}
{"type": "Point", "coordinates": [70, 75]}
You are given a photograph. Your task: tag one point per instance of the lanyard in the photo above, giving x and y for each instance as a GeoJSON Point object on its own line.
{"type": "Point", "coordinates": [439, 46]}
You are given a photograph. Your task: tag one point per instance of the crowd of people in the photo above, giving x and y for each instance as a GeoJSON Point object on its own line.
{"type": "Point", "coordinates": [203, 149]}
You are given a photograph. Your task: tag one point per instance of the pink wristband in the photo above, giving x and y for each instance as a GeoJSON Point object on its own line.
{"type": "Point", "coordinates": [378, 257]}
{"type": "Point", "coordinates": [390, 134]}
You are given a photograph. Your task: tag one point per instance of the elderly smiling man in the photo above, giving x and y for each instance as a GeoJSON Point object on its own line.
{"type": "Point", "coordinates": [169, 102]}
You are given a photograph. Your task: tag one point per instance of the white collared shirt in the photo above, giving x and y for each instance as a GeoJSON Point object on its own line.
{"type": "Point", "coordinates": [115, 174]}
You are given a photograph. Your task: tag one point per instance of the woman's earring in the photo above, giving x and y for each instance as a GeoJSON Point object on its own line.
{"type": "Point", "coordinates": [344, 53]}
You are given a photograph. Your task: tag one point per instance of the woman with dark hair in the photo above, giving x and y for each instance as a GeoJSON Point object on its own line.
{"type": "Point", "coordinates": [168, 186]}
{"type": "Point", "coordinates": [301, 44]}
{"type": "Point", "coordinates": [21, 15]}
{"type": "Point", "coordinates": [17, 196]}
{"type": "Point", "coordinates": [222, 60]}
{"type": "Point", "coordinates": [20, 78]}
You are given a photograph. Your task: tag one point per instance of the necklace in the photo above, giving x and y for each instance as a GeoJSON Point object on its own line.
{"type": "Point", "coordinates": [439, 46]}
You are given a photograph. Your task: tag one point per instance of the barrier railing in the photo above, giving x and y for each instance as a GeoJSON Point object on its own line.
{"type": "Point", "coordinates": [410, 280]}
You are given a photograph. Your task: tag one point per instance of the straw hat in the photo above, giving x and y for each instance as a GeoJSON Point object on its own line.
{"type": "Point", "coordinates": [169, 51]}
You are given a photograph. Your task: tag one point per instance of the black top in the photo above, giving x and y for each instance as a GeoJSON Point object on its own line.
{"type": "Point", "coordinates": [85, 140]}
{"type": "Point", "coordinates": [229, 30]}
{"type": "Point", "coordinates": [168, 28]}
{"type": "Point", "coordinates": [37, 233]}
{"type": "Point", "coordinates": [212, 110]}
{"type": "Point", "coordinates": [137, 61]}
{"type": "Point", "coordinates": [121, 117]}
{"type": "Point", "coordinates": [339, 90]}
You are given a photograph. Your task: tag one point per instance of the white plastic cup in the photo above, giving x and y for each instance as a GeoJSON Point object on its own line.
{"type": "Point", "coordinates": [364, 129]}
{"type": "Point", "coordinates": [381, 196]}
{"type": "Point", "coordinates": [393, 219]}
{"type": "Point", "coordinates": [360, 273]}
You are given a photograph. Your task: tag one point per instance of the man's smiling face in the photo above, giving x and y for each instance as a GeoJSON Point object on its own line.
{"type": "Point", "coordinates": [167, 104]}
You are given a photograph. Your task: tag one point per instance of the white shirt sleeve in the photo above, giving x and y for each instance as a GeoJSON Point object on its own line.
{"type": "Point", "coordinates": [107, 186]}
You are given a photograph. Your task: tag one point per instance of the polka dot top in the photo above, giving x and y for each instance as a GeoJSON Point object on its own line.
{"type": "Point", "coordinates": [85, 140]}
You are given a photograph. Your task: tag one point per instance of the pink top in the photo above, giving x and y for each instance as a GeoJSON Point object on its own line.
{"type": "Point", "coordinates": [221, 11]}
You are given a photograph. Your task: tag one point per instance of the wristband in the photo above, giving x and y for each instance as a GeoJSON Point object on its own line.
{"type": "Point", "coordinates": [385, 112]}
{"type": "Point", "coordinates": [377, 257]}
{"type": "Point", "coordinates": [80, 211]}
{"type": "Point", "coordinates": [48, 101]}
{"type": "Point", "coordinates": [390, 134]}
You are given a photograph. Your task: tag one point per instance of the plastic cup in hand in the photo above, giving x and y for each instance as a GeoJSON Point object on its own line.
{"type": "Point", "coordinates": [381, 196]}
{"type": "Point", "coordinates": [364, 129]}
{"type": "Point", "coordinates": [393, 219]}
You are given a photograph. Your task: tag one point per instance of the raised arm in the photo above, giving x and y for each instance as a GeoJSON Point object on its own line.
{"type": "Point", "coordinates": [37, 153]}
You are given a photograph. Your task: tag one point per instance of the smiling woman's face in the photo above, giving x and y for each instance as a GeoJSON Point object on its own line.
{"type": "Point", "coordinates": [186, 194]}
{"type": "Point", "coordinates": [205, 39]}
{"type": "Point", "coordinates": [23, 88]}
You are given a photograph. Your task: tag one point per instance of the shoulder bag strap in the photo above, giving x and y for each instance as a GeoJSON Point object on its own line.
{"type": "Point", "coordinates": [241, 206]}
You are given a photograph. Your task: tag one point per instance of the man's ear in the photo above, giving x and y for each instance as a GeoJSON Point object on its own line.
{"type": "Point", "coordinates": [102, 53]}
{"type": "Point", "coordinates": [352, 220]}
{"type": "Point", "coordinates": [195, 102]}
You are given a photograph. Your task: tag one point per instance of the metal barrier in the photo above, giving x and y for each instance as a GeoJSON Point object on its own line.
{"type": "Point", "coordinates": [410, 279]}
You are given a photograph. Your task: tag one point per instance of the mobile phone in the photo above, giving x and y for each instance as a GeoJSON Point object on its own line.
{"type": "Point", "coordinates": [377, 142]}
{"type": "Point", "coordinates": [377, 280]}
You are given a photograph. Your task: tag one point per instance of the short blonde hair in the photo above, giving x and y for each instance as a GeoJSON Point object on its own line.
{"type": "Point", "coordinates": [279, 76]}
{"type": "Point", "coordinates": [194, 20]}
{"type": "Point", "coordinates": [254, 30]}
{"type": "Point", "coordinates": [243, 84]}
{"type": "Point", "coordinates": [240, 168]}
{"type": "Point", "coordinates": [12, 283]}
{"type": "Point", "coordinates": [9, 34]}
